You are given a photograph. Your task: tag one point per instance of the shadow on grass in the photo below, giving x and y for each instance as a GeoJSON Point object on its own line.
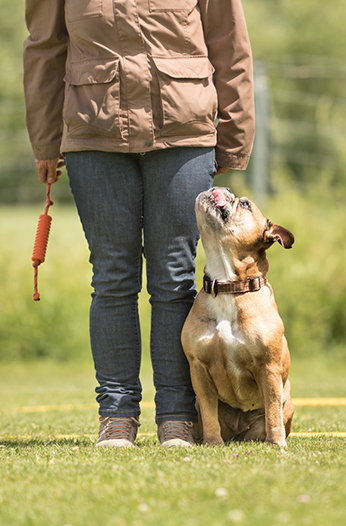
{"type": "Point", "coordinates": [22, 443]}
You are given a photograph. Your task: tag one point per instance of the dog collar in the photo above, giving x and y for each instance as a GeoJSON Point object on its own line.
{"type": "Point", "coordinates": [215, 287]}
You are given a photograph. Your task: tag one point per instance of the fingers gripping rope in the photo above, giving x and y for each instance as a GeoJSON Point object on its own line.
{"type": "Point", "coordinates": [41, 241]}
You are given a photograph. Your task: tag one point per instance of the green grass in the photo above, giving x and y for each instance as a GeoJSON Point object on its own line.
{"type": "Point", "coordinates": [47, 480]}
{"type": "Point", "coordinates": [60, 483]}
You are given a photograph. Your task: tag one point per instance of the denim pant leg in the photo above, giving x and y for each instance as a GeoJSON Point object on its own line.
{"type": "Point", "coordinates": [107, 188]}
{"type": "Point", "coordinates": [172, 179]}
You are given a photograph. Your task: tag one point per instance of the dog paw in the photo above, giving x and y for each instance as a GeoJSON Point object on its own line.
{"type": "Point", "coordinates": [213, 441]}
{"type": "Point", "coordinates": [277, 442]}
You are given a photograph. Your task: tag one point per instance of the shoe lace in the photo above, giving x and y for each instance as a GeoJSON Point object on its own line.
{"type": "Point", "coordinates": [172, 430]}
{"type": "Point", "coordinates": [119, 428]}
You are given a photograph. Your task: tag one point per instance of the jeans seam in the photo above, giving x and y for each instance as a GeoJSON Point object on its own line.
{"type": "Point", "coordinates": [140, 285]}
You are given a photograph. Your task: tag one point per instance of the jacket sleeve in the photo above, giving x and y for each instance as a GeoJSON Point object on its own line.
{"type": "Point", "coordinates": [229, 51]}
{"type": "Point", "coordinates": [45, 52]}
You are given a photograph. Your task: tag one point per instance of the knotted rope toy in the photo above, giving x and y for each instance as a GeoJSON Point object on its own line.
{"type": "Point", "coordinates": [41, 241]}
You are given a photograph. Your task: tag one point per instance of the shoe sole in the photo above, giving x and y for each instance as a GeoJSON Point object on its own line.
{"type": "Point", "coordinates": [176, 442]}
{"type": "Point", "coordinates": [115, 442]}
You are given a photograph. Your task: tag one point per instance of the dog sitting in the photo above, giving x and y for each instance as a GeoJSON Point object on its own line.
{"type": "Point", "coordinates": [233, 336]}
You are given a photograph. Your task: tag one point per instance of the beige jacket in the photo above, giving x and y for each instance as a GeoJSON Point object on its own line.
{"type": "Point", "coordinates": [138, 75]}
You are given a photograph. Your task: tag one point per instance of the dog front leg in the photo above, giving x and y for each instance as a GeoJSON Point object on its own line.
{"type": "Point", "coordinates": [208, 402]}
{"type": "Point", "coordinates": [288, 408]}
{"type": "Point", "coordinates": [270, 383]}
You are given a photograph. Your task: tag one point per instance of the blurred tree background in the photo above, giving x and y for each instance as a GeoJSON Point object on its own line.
{"type": "Point", "coordinates": [297, 174]}
{"type": "Point", "coordinates": [304, 48]}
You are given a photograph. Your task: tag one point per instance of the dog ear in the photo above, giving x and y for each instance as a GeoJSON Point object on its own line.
{"type": "Point", "coordinates": [278, 233]}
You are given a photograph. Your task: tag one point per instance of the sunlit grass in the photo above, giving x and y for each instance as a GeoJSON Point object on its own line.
{"type": "Point", "coordinates": [46, 479]}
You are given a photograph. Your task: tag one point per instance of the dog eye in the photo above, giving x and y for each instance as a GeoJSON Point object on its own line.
{"type": "Point", "coordinates": [245, 204]}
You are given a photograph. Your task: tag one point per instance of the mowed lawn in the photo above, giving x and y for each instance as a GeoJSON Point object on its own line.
{"type": "Point", "coordinates": [52, 474]}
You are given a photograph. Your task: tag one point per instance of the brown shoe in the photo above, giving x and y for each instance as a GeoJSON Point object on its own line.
{"type": "Point", "coordinates": [174, 433]}
{"type": "Point", "coordinates": [117, 432]}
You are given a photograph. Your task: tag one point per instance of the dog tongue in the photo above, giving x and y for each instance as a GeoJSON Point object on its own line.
{"type": "Point", "coordinates": [219, 197]}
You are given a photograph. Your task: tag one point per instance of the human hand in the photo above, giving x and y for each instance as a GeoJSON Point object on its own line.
{"type": "Point", "coordinates": [49, 170]}
{"type": "Point", "coordinates": [221, 170]}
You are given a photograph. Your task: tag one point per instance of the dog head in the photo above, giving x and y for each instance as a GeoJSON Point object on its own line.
{"type": "Point", "coordinates": [236, 229]}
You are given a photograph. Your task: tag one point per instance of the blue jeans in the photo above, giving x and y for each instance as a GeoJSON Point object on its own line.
{"type": "Point", "coordinates": [123, 200]}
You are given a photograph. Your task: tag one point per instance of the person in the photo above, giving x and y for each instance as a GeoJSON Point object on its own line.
{"type": "Point", "coordinates": [144, 101]}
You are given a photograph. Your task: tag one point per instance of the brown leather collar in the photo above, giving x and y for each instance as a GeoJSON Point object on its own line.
{"type": "Point", "coordinates": [215, 287]}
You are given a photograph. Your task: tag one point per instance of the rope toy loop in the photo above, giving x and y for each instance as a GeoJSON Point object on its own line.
{"type": "Point", "coordinates": [41, 241]}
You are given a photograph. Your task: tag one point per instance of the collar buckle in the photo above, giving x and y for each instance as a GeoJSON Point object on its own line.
{"type": "Point", "coordinates": [214, 290]}
{"type": "Point", "coordinates": [210, 286]}
{"type": "Point", "coordinates": [253, 285]}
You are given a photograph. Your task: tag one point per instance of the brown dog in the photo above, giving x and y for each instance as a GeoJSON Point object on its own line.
{"type": "Point", "coordinates": [234, 337]}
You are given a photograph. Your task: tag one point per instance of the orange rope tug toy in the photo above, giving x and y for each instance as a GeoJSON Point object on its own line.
{"type": "Point", "coordinates": [41, 241]}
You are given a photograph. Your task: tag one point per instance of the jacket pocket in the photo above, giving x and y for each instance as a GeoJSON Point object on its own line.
{"type": "Point", "coordinates": [92, 96]}
{"type": "Point", "coordinates": [171, 5]}
{"type": "Point", "coordinates": [188, 95]}
{"type": "Point", "coordinates": [77, 10]}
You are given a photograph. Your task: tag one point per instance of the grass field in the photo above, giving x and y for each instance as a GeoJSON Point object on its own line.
{"type": "Point", "coordinates": [52, 474]}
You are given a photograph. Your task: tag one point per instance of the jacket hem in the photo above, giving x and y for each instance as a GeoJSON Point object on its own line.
{"type": "Point", "coordinates": [111, 145]}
